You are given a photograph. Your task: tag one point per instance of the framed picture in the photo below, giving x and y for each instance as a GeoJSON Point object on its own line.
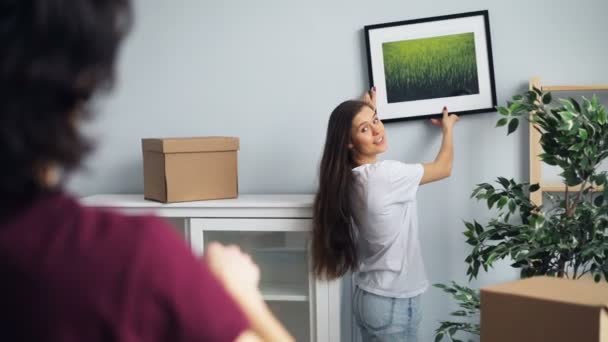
{"type": "Point", "coordinates": [419, 66]}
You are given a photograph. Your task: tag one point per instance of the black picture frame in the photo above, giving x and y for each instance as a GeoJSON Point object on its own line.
{"type": "Point", "coordinates": [418, 66]}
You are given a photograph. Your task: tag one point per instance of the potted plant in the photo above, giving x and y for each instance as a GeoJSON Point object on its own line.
{"type": "Point", "coordinates": [566, 237]}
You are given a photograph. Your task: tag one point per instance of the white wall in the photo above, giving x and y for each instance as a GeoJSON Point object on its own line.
{"type": "Point", "coordinates": [271, 71]}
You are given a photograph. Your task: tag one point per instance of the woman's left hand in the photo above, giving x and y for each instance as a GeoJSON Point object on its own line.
{"type": "Point", "coordinates": [369, 97]}
{"type": "Point", "coordinates": [447, 121]}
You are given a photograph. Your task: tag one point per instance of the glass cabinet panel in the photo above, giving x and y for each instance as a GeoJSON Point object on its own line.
{"type": "Point", "coordinates": [283, 261]}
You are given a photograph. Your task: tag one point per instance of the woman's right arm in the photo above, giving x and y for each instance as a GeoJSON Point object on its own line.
{"type": "Point", "coordinates": [441, 167]}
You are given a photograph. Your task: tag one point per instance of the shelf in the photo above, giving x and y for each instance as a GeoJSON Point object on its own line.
{"type": "Point", "coordinates": [285, 292]}
{"type": "Point", "coordinates": [598, 87]}
{"type": "Point", "coordinates": [556, 187]}
{"type": "Point", "coordinates": [247, 206]}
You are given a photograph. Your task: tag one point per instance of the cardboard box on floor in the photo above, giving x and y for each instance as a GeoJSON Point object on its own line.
{"type": "Point", "coordinates": [545, 309]}
{"type": "Point", "coordinates": [190, 169]}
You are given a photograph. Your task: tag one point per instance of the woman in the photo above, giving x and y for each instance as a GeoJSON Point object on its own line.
{"type": "Point", "coordinates": [70, 273]}
{"type": "Point", "coordinates": [365, 219]}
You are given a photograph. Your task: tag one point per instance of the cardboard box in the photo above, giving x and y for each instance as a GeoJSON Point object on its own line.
{"type": "Point", "coordinates": [190, 169]}
{"type": "Point", "coordinates": [542, 309]}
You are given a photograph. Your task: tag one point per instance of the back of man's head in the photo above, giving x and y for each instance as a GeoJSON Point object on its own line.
{"type": "Point", "coordinates": [55, 55]}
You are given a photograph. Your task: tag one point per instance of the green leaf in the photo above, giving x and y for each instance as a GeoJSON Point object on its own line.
{"type": "Point", "coordinates": [513, 125]}
{"type": "Point", "coordinates": [599, 200]}
{"type": "Point", "coordinates": [547, 98]}
{"type": "Point", "coordinates": [576, 105]}
{"type": "Point", "coordinates": [549, 159]}
{"type": "Point", "coordinates": [567, 115]}
{"type": "Point", "coordinates": [503, 111]}
{"type": "Point", "coordinates": [534, 187]}
{"type": "Point", "coordinates": [566, 125]}
{"type": "Point", "coordinates": [595, 101]}
{"type": "Point", "coordinates": [576, 147]}
{"type": "Point", "coordinates": [583, 134]}
{"type": "Point", "coordinates": [504, 182]}
{"type": "Point", "coordinates": [476, 191]}
{"type": "Point", "coordinates": [491, 259]}
{"type": "Point", "coordinates": [518, 108]}
{"type": "Point", "coordinates": [501, 122]}
{"type": "Point", "coordinates": [493, 200]}
{"type": "Point", "coordinates": [501, 203]}
{"type": "Point", "coordinates": [599, 179]}
{"type": "Point", "coordinates": [478, 228]}
{"type": "Point", "coordinates": [512, 207]}
{"type": "Point", "coordinates": [602, 117]}
{"type": "Point", "coordinates": [539, 221]}
{"type": "Point", "coordinates": [532, 221]}
{"type": "Point", "coordinates": [567, 105]}
{"type": "Point", "coordinates": [518, 97]}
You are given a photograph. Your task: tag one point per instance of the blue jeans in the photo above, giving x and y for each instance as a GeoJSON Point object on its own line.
{"type": "Point", "coordinates": [386, 319]}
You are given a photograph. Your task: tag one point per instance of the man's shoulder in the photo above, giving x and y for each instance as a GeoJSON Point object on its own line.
{"type": "Point", "coordinates": [109, 238]}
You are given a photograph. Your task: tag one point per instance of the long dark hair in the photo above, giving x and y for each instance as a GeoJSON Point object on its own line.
{"type": "Point", "coordinates": [55, 55]}
{"type": "Point", "coordinates": [333, 242]}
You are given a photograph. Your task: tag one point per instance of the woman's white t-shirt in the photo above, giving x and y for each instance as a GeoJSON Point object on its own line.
{"type": "Point", "coordinates": [385, 216]}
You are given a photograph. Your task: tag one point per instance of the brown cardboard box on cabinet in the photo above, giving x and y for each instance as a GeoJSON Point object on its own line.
{"type": "Point", "coordinates": [543, 309]}
{"type": "Point", "coordinates": [190, 169]}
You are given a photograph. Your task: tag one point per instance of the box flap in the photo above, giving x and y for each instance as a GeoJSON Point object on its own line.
{"type": "Point", "coordinates": [582, 291]}
{"type": "Point", "coordinates": [195, 144]}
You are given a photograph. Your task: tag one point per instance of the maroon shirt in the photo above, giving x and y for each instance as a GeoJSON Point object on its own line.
{"type": "Point", "coordinates": [71, 273]}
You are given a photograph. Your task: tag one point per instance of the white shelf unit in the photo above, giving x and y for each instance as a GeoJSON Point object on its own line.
{"type": "Point", "coordinates": [285, 292]}
{"type": "Point", "coordinates": [275, 231]}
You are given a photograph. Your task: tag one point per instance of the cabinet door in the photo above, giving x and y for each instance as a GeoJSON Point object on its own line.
{"type": "Point", "coordinates": [280, 248]}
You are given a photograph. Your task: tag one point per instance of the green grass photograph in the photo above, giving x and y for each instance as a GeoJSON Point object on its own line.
{"type": "Point", "coordinates": [428, 68]}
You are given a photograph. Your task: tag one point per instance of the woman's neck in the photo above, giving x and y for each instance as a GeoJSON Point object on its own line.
{"type": "Point", "coordinates": [364, 160]}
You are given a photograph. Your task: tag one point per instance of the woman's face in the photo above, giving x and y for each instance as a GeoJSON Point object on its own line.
{"type": "Point", "coordinates": [367, 136]}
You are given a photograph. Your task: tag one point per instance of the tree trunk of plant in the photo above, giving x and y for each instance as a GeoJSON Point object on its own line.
{"type": "Point", "coordinates": [561, 268]}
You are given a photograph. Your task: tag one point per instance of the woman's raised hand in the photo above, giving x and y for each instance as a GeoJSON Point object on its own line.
{"type": "Point", "coordinates": [369, 97]}
{"type": "Point", "coordinates": [447, 120]}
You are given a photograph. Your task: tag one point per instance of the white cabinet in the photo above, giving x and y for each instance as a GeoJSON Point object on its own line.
{"type": "Point", "coordinates": [275, 231]}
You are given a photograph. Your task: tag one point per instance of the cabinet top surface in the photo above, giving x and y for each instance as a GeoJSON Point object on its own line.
{"type": "Point", "coordinates": [243, 201]}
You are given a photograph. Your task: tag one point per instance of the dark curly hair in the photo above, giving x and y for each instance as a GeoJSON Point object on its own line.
{"type": "Point", "coordinates": [56, 54]}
